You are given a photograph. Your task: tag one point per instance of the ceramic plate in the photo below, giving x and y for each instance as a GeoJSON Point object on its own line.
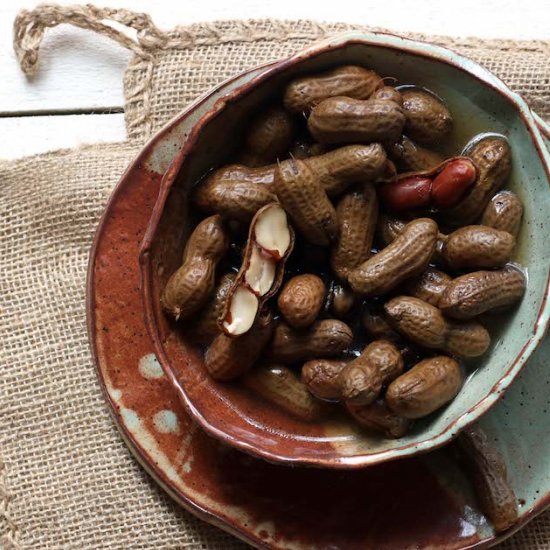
{"type": "Point", "coordinates": [273, 506]}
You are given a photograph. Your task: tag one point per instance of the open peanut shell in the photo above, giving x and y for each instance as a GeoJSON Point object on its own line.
{"type": "Point", "coordinates": [270, 242]}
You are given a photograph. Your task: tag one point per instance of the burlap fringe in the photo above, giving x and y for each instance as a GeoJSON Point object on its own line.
{"type": "Point", "coordinates": [30, 25]}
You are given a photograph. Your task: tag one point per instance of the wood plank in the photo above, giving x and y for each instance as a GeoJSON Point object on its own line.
{"type": "Point", "coordinates": [29, 135]}
{"type": "Point", "coordinates": [80, 71]}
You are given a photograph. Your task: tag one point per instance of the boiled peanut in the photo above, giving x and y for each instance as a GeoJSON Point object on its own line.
{"type": "Point", "coordinates": [440, 187]}
{"type": "Point", "coordinates": [281, 386]}
{"type": "Point", "coordinates": [357, 213]}
{"type": "Point", "coordinates": [268, 137]}
{"type": "Point", "coordinates": [407, 193]}
{"type": "Point", "coordinates": [321, 378]}
{"type": "Point", "coordinates": [301, 299]}
{"type": "Point", "coordinates": [360, 381]}
{"type": "Point", "coordinates": [425, 325]}
{"type": "Point", "coordinates": [379, 418]}
{"type": "Point", "coordinates": [326, 338]}
{"type": "Point", "coordinates": [425, 388]}
{"type": "Point", "coordinates": [205, 327]}
{"type": "Point", "coordinates": [346, 120]}
{"type": "Point", "coordinates": [405, 257]}
{"type": "Point", "coordinates": [388, 228]}
{"type": "Point", "coordinates": [190, 286]}
{"type": "Point", "coordinates": [302, 150]}
{"type": "Point", "coordinates": [227, 358]}
{"type": "Point", "coordinates": [489, 475]}
{"type": "Point", "coordinates": [337, 169]}
{"type": "Point", "coordinates": [428, 120]}
{"type": "Point", "coordinates": [388, 93]}
{"type": "Point", "coordinates": [270, 242]}
{"type": "Point", "coordinates": [454, 180]}
{"type": "Point", "coordinates": [386, 358]}
{"type": "Point", "coordinates": [504, 212]}
{"type": "Point", "coordinates": [411, 157]}
{"type": "Point", "coordinates": [236, 192]}
{"type": "Point", "coordinates": [302, 94]}
{"type": "Point", "coordinates": [429, 286]}
{"type": "Point", "coordinates": [478, 247]}
{"type": "Point", "coordinates": [474, 293]}
{"type": "Point", "coordinates": [341, 300]}
{"type": "Point", "coordinates": [492, 157]}
{"type": "Point", "coordinates": [377, 326]}
{"type": "Point", "coordinates": [305, 200]}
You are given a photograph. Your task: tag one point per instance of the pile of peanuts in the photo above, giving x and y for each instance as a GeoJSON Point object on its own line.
{"type": "Point", "coordinates": [416, 247]}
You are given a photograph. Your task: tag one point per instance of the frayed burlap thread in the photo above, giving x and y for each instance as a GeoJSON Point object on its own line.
{"type": "Point", "coordinates": [66, 478]}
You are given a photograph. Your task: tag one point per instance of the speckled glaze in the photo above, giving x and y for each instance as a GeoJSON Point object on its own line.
{"type": "Point", "coordinates": [235, 415]}
{"type": "Point", "coordinates": [272, 506]}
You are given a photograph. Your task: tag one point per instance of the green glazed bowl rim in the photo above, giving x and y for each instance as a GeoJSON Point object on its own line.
{"type": "Point", "coordinates": [532, 123]}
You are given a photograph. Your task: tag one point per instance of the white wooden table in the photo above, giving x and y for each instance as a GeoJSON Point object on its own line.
{"type": "Point", "coordinates": [76, 95]}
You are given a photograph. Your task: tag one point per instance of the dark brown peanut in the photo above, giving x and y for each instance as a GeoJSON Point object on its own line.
{"type": "Point", "coordinates": [305, 200]}
{"type": "Point", "coordinates": [227, 358]}
{"type": "Point", "coordinates": [268, 138]}
{"type": "Point", "coordinates": [478, 247]}
{"type": "Point", "coordinates": [386, 358]}
{"type": "Point", "coordinates": [377, 326]}
{"type": "Point", "coordinates": [190, 286]}
{"type": "Point", "coordinates": [337, 169]}
{"type": "Point", "coordinates": [321, 378]}
{"type": "Point", "coordinates": [388, 93]}
{"type": "Point", "coordinates": [281, 386]}
{"type": "Point", "coordinates": [405, 257]}
{"type": "Point", "coordinates": [236, 192]}
{"type": "Point", "coordinates": [360, 381]}
{"type": "Point", "coordinates": [326, 338]}
{"type": "Point", "coordinates": [388, 228]}
{"type": "Point", "coordinates": [302, 150]}
{"type": "Point", "coordinates": [206, 325]}
{"type": "Point", "coordinates": [302, 94]}
{"type": "Point", "coordinates": [411, 157]}
{"type": "Point", "coordinates": [425, 325]}
{"type": "Point", "coordinates": [341, 300]}
{"type": "Point", "coordinates": [346, 120]}
{"type": "Point", "coordinates": [474, 293]}
{"type": "Point", "coordinates": [428, 119]}
{"type": "Point", "coordinates": [425, 388]}
{"type": "Point", "coordinates": [429, 286]}
{"type": "Point", "coordinates": [379, 418]}
{"type": "Point", "coordinates": [357, 213]}
{"type": "Point", "coordinates": [493, 160]}
{"type": "Point", "coordinates": [301, 300]}
{"type": "Point", "coordinates": [504, 212]}
{"type": "Point", "coordinates": [489, 477]}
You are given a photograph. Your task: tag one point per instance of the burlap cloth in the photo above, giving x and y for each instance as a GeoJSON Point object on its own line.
{"type": "Point", "coordinates": [66, 478]}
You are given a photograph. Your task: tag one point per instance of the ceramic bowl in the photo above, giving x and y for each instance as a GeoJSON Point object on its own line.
{"type": "Point", "coordinates": [236, 416]}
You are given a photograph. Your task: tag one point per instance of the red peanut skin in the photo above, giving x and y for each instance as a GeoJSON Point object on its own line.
{"type": "Point", "coordinates": [440, 190]}
{"type": "Point", "coordinates": [451, 184]}
{"type": "Point", "coordinates": [407, 193]}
